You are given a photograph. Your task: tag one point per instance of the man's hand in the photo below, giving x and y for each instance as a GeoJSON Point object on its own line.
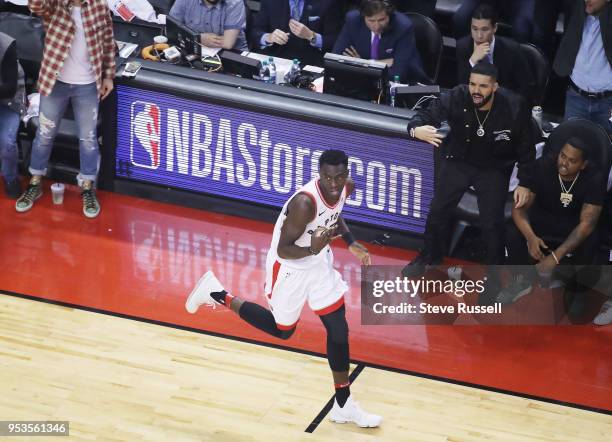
{"type": "Point", "coordinates": [351, 52]}
{"type": "Point", "coordinates": [387, 61]}
{"type": "Point", "coordinates": [278, 37]}
{"type": "Point", "coordinates": [300, 30]}
{"type": "Point", "coordinates": [480, 51]}
{"type": "Point", "coordinates": [546, 266]}
{"type": "Point", "coordinates": [107, 87]}
{"type": "Point", "coordinates": [211, 40]}
{"type": "Point", "coordinates": [320, 238]}
{"type": "Point", "coordinates": [521, 196]}
{"type": "Point", "coordinates": [361, 253]}
{"type": "Point", "coordinates": [535, 246]}
{"type": "Point", "coordinates": [429, 134]}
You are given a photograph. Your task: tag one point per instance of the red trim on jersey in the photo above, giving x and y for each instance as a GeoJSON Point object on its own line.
{"type": "Point", "coordinates": [346, 384]}
{"type": "Point", "coordinates": [287, 327]}
{"type": "Point", "coordinates": [332, 308]}
{"type": "Point", "coordinates": [323, 198]}
{"type": "Point", "coordinates": [275, 270]}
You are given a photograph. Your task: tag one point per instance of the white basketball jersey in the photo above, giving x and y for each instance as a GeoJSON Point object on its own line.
{"type": "Point", "coordinates": [325, 216]}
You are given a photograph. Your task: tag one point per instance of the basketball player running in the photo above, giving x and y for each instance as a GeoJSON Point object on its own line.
{"type": "Point", "coordinates": [299, 267]}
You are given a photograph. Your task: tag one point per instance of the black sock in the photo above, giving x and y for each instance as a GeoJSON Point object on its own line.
{"type": "Point", "coordinates": [343, 391]}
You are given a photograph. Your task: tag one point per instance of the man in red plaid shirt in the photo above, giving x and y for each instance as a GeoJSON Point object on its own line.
{"type": "Point", "coordinates": [78, 66]}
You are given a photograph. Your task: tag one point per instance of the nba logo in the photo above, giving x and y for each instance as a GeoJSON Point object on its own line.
{"type": "Point", "coordinates": [145, 129]}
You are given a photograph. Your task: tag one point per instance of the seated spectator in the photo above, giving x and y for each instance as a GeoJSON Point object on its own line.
{"type": "Point", "coordinates": [302, 29]}
{"type": "Point", "coordinates": [519, 13]}
{"type": "Point", "coordinates": [505, 53]}
{"type": "Point", "coordinates": [566, 197]}
{"type": "Point", "coordinates": [220, 22]}
{"type": "Point", "coordinates": [378, 32]}
{"type": "Point", "coordinates": [585, 55]}
{"type": "Point", "coordinates": [12, 99]}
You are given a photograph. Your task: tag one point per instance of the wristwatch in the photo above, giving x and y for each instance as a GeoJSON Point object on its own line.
{"type": "Point", "coordinates": [313, 39]}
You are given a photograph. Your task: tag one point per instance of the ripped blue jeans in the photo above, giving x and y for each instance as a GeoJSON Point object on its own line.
{"type": "Point", "coordinates": [84, 99]}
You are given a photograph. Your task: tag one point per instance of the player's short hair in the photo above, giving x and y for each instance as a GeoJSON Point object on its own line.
{"type": "Point", "coordinates": [485, 68]}
{"type": "Point", "coordinates": [485, 12]}
{"type": "Point", "coordinates": [578, 143]}
{"type": "Point", "coordinates": [333, 158]}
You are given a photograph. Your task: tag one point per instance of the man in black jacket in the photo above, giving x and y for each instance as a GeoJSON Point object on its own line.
{"type": "Point", "coordinates": [585, 55]}
{"type": "Point", "coordinates": [504, 53]}
{"type": "Point", "coordinates": [490, 129]}
{"type": "Point", "coordinates": [302, 29]}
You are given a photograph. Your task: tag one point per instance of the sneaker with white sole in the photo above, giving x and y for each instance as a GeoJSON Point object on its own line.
{"type": "Point", "coordinates": [201, 293]}
{"type": "Point", "coordinates": [605, 314]}
{"type": "Point", "coordinates": [352, 412]}
{"type": "Point", "coordinates": [29, 197]}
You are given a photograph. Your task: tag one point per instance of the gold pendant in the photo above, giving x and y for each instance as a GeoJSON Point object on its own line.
{"type": "Point", "coordinates": [566, 198]}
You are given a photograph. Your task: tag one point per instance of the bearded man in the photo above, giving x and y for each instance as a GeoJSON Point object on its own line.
{"type": "Point", "coordinates": [490, 129]}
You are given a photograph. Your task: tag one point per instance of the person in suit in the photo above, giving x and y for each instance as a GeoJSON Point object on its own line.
{"type": "Point", "coordinates": [378, 32]}
{"type": "Point", "coordinates": [518, 13]}
{"type": "Point", "coordinates": [483, 45]}
{"type": "Point", "coordinates": [302, 29]}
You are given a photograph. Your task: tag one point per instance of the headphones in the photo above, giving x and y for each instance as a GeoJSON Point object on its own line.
{"type": "Point", "coordinates": [154, 52]}
{"type": "Point", "coordinates": [368, 5]}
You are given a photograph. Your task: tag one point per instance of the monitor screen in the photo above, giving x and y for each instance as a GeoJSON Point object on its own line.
{"type": "Point", "coordinates": [183, 36]}
{"type": "Point", "coordinates": [355, 77]}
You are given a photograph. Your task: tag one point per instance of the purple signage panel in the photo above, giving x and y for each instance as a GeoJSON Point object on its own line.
{"type": "Point", "coordinates": [261, 158]}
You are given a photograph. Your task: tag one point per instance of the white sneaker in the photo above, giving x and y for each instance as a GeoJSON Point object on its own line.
{"type": "Point", "coordinates": [352, 412]}
{"type": "Point", "coordinates": [605, 315]}
{"type": "Point", "coordinates": [201, 293]}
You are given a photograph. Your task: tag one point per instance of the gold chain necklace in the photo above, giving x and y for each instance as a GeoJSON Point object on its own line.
{"type": "Point", "coordinates": [566, 197]}
{"type": "Point", "coordinates": [480, 132]}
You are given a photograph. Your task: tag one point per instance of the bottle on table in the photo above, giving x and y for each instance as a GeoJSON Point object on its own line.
{"type": "Point", "coordinates": [293, 72]}
{"type": "Point", "coordinates": [264, 72]}
{"type": "Point", "coordinates": [272, 70]}
{"type": "Point", "coordinates": [392, 86]}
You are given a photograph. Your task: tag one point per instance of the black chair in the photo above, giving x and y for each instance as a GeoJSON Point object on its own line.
{"type": "Point", "coordinates": [424, 7]}
{"type": "Point", "coordinates": [592, 134]}
{"type": "Point", "coordinates": [540, 69]}
{"type": "Point", "coordinates": [429, 44]}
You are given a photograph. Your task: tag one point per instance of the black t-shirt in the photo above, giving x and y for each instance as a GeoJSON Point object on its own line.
{"type": "Point", "coordinates": [479, 151]}
{"type": "Point", "coordinates": [589, 188]}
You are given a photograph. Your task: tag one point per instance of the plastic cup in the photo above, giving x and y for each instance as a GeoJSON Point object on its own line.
{"type": "Point", "coordinates": [57, 192]}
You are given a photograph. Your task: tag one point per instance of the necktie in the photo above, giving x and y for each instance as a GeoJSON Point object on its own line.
{"type": "Point", "coordinates": [374, 49]}
{"type": "Point", "coordinates": [295, 10]}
